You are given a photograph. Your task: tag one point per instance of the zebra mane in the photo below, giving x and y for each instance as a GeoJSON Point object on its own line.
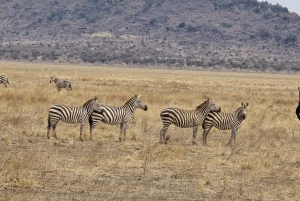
{"type": "Point", "coordinates": [89, 102]}
{"type": "Point", "coordinates": [130, 100]}
{"type": "Point", "coordinates": [201, 105]}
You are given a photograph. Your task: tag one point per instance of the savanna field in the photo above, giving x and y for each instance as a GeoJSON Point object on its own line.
{"type": "Point", "coordinates": [264, 164]}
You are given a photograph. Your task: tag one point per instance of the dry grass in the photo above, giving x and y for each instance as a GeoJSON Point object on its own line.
{"type": "Point", "coordinates": [264, 164]}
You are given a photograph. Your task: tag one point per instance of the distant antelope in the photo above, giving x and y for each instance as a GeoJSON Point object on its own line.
{"type": "Point", "coordinates": [71, 115]}
{"type": "Point", "coordinates": [4, 80]}
{"type": "Point", "coordinates": [298, 108]}
{"type": "Point", "coordinates": [186, 118]}
{"type": "Point", "coordinates": [225, 121]}
{"type": "Point", "coordinates": [117, 115]}
{"type": "Point", "coordinates": [61, 83]}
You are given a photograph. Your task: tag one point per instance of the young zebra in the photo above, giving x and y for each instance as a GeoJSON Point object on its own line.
{"type": "Point", "coordinates": [61, 83]}
{"type": "Point", "coordinates": [4, 80]}
{"type": "Point", "coordinates": [298, 108]}
{"type": "Point", "coordinates": [225, 121]}
{"type": "Point", "coordinates": [117, 115]}
{"type": "Point", "coordinates": [186, 118]}
{"type": "Point", "coordinates": [71, 115]}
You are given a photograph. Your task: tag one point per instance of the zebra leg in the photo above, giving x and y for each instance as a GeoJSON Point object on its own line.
{"type": "Point", "coordinates": [205, 133]}
{"type": "Point", "coordinates": [121, 130]}
{"type": "Point", "coordinates": [91, 127]}
{"type": "Point", "coordinates": [195, 130]}
{"type": "Point", "coordinates": [124, 130]}
{"type": "Point", "coordinates": [233, 133]}
{"type": "Point", "coordinates": [48, 131]}
{"type": "Point", "coordinates": [163, 132]}
{"type": "Point", "coordinates": [81, 128]}
{"type": "Point", "coordinates": [54, 130]}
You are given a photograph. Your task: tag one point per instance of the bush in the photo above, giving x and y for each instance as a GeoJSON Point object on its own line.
{"type": "Point", "coordinates": [226, 25]}
{"type": "Point", "coordinates": [268, 14]}
{"type": "Point", "coordinates": [182, 25]}
{"type": "Point", "coordinates": [152, 21]}
{"type": "Point", "coordinates": [291, 38]}
{"type": "Point", "coordinates": [264, 33]}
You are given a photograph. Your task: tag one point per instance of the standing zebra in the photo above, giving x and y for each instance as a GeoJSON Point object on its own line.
{"type": "Point", "coordinates": [117, 115]}
{"type": "Point", "coordinates": [225, 121]}
{"type": "Point", "coordinates": [186, 118]}
{"type": "Point", "coordinates": [4, 80]}
{"type": "Point", "coordinates": [298, 108]}
{"type": "Point", "coordinates": [71, 115]}
{"type": "Point", "coordinates": [61, 83]}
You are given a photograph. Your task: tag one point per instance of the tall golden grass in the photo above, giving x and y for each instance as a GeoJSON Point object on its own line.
{"type": "Point", "coordinates": [263, 165]}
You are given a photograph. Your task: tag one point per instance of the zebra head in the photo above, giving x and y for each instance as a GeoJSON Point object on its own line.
{"type": "Point", "coordinates": [211, 106]}
{"type": "Point", "coordinates": [53, 78]}
{"type": "Point", "coordinates": [242, 111]}
{"type": "Point", "coordinates": [138, 103]}
{"type": "Point", "coordinates": [96, 106]}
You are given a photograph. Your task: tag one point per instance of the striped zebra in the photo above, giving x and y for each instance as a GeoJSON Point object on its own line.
{"type": "Point", "coordinates": [225, 121]}
{"type": "Point", "coordinates": [186, 118]}
{"type": "Point", "coordinates": [117, 115]}
{"type": "Point", "coordinates": [4, 80]}
{"type": "Point", "coordinates": [61, 83]}
{"type": "Point", "coordinates": [71, 115]}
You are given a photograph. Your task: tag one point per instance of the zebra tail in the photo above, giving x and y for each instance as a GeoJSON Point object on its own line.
{"type": "Point", "coordinates": [70, 86]}
{"type": "Point", "coordinates": [48, 127]}
{"type": "Point", "coordinates": [7, 81]}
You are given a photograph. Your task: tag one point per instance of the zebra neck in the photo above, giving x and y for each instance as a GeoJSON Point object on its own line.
{"type": "Point", "coordinates": [56, 80]}
{"type": "Point", "coordinates": [201, 111]}
{"type": "Point", "coordinates": [129, 106]}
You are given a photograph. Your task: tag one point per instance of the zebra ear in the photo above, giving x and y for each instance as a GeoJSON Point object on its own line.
{"type": "Point", "coordinates": [137, 96]}
{"type": "Point", "coordinates": [96, 98]}
{"type": "Point", "coordinates": [242, 104]}
{"type": "Point", "coordinates": [247, 104]}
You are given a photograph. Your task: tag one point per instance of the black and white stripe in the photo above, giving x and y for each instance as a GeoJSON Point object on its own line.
{"type": "Point", "coordinates": [61, 83]}
{"type": "Point", "coordinates": [186, 118]}
{"type": "Point", "coordinates": [4, 80]}
{"type": "Point", "coordinates": [71, 115]}
{"type": "Point", "coordinates": [225, 121]}
{"type": "Point", "coordinates": [117, 115]}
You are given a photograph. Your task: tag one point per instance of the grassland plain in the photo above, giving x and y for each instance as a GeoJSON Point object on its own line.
{"type": "Point", "coordinates": [263, 165]}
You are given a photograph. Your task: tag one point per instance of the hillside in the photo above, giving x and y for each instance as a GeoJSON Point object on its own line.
{"type": "Point", "coordinates": [198, 34]}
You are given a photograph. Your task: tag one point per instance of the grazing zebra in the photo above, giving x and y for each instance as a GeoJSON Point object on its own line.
{"type": "Point", "coordinates": [71, 115]}
{"type": "Point", "coordinates": [225, 121]}
{"type": "Point", "coordinates": [186, 118]}
{"type": "Point", "coordinates": [298, 108]}
{"type": "Point", "coordinates": [4, 80]}
{"type": "Point", "coordinates": [61, 83]}
{"type": "Point", "coordinates": [117, 115]}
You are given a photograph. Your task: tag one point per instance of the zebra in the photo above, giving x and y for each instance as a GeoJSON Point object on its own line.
{"type": "Point", "coordinates": [298, 108]}
{"type": "Point", "coordinates": [4, 80]}
{"type": "Point", "coordinates": [225, 121]}
{"type": "Point", "coordinates": [117, 115]}
{"type": "Point", "coordinates": [71, 115]}
{"type": "Point", "coordinates": [61, 83]}
{"type": "Point", "coordinates": [186, 118]}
